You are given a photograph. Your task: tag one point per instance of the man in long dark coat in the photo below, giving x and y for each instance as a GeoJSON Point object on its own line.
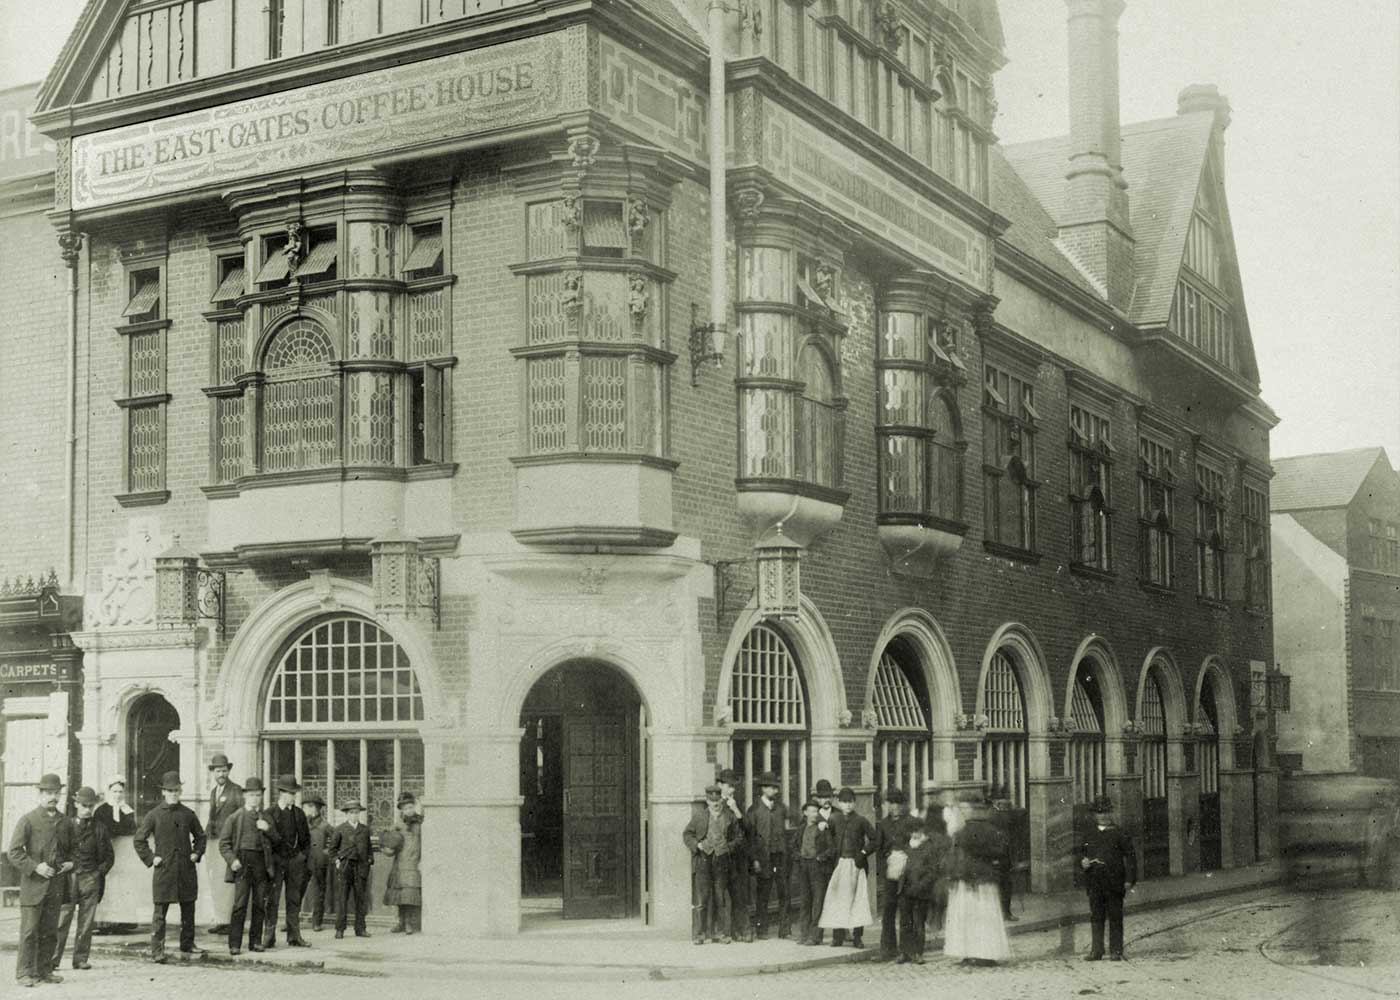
{"type": "Point", "coordinates": [1109, 864]}
{"type": "Point", "coordinates": [179, 846]}
{"type": "Point", "coordinates": [41, 847]}
{"type": "Point", "coordinates": [351, 850]}
{"type": "Point", "coordinates": [740, 927]}
{"type": "Point", "coordinates": [767, 840]}
{"type": "Point", "coordinates": [289, 870]}
{"type": "Point", "coordinates": [225, 799]}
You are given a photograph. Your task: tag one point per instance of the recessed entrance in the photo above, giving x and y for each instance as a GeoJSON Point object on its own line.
{"type": "Point", "coordinates": [150, 750]}
{"type": "Point", "coordinates": [582, 825]}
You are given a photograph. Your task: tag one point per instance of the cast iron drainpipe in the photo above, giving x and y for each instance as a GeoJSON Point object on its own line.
{"type": "Point", "coordinates": [70, 245]}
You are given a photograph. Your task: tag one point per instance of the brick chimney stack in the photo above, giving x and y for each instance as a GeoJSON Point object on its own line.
{"type": "Point", "coordinates": [1095, 227]}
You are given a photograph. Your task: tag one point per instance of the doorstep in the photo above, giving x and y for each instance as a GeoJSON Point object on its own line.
{"type": "Point", "coordinates": [620, 951]}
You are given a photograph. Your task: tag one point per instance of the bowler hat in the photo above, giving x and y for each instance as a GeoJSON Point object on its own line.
{"type": "Point", "coordinates": [405, 798]}
{"type": "Point", "coordinates": [896, 795]}
{"type": "Point", "coordinates": [353, 806]}
{"type": "Point", "coordinates": [823, 789]}
{"type": "Point", "coordinates": [288, 783]}
{"type": "Point", "coordinates": [728, 776]}
{"type": "Point", "coordinates": [768, 780]}
{"type": "Point", "coordinates": [846, 795]}
{"type": "Point", "coordinates": [219, 760]}
{"type": "Point", "coordinates": [253, 785]}
{"type": "Point", "coordinates": [313, 800]}
{"type": "Point", "coordinates": [712, 793]}
{"type": "Point", "coordinates": [1101, 804]}
{"type": "Point", "coordinates": [170, 781]}
{"type": "Point", "coordinates": [50, 783]}
{"type": "Point", "coordinates": [86, 797]}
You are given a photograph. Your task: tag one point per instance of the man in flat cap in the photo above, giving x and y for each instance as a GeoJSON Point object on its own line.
{"type": "Point", "coordinates": [769, 854]}
{"type": "Point", "coordinates": [289, 863]}
{"type": "Point", "coordinates": [1109, 864]}
{"type": "Point", "coordinates": [92, 860]}
{"type": "Point", "coordinates": [225, 799]}
{"type": "Point", "coordinates": [351, 852]}
{"type": "Point", "coordinates": [246, 844]}
{"type": "Point", "coordinates": [174, 863]}
{"type": "Point", "coordinates": [41, 847]}
{"type": "Point", "coordinates": [318, 885]}
{"type": "Point", "coordinates": [710, 836]}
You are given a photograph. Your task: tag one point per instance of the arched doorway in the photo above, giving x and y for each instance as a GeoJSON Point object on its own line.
{"type": "Point", "coordinates": [768, 716]}
{"type": "Point", "coordinates": [1156, 816]}
{"type": "Point", "coordinates": [150, 751]}
{"type": "Point", "coordinates": [902, 735]}
{"type": "Point", "coordinates": [582, 780]}
{"type": "Point", "coordinates": [1208, 728]}
{"type": "Point", "coordinates": [1087, 764]}
{"type": "Point", "coordinates": [1006, 754]}
{"type": "Point", "coordinates": [341, 711]}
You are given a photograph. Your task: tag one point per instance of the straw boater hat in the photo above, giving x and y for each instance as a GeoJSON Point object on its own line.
{"type": "Point", "coordinates": [353, 806]}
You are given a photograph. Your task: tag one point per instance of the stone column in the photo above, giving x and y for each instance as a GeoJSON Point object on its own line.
{"type": "Point", "coordinates": [1183, 805]}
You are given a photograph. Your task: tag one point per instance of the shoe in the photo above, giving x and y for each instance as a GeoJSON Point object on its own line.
{"type": "Point", "coordinates": [725, 939]}
{"type": "Point", "coordinates": [299, 943]}
{"type": "Point", "coordinates": [887, 956]}
{"type": "Point", "coordinates": [219, 929]}
{"type": "Point", "coordinates": [363, 934]}
{"type": "Point", "coordinates": [1093, 957]}
{"type": "Point", "coordinates": [1117, 956]}
{"type": "Point", "coordinates": [901, 960]}
{"type": "Point", "coordinates": [1010, 917]}
{"type": "Point", "coordinates": [269, 945]}
{"type": "Point", "coordinates": [235, 951]}
{"type": "Point", "coordinates": [698, 940]}
{"type": "Point", "coordinates": [29, 981]}
{"type": "Point", "coordinates": [161, 959]}
{"type": "Point", "coordinates": [918, 960]}
{"type": "Point", "coordinates": [193, 950]}
{"type": "Point", "coordinates": [256, 947]}
{"type": "Point", "coordinates": [339, 935]}
{"type": "Point", "coordinates": [761, 935]}
{"type": "Point", "coordinates": [316, 926]}
{"type": "Point", "coordinates": [82, 966]}
{"type": "Point", "coordinates": [409, 930]}
{"type": "Point", "coordinates": [396, 930]}
{"type": "Point", "coordinates": [52, 977]}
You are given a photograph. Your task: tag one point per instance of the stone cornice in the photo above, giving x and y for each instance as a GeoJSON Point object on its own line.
{"type": "Point", "coordinates": [102, 640]}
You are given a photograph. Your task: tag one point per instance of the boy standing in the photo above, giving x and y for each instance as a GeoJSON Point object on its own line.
{"type": "Point", "coordinates": [1110, 866]}
{"type": "Point", "coordinates": [847, 903]}
{"type": "Point", "coordinates": [814, 850]}
{"type": "Point", "coordinates": [41, 847]}
{"type": "Point", "coordinates": [709, 836]}
{"type": "Point", "coordinates": [318, 861]}
{"type": "Point", "coordinates": [246, 847]}
{"type": "Point", "coordinates": [93, 859]}
{"type": "Point", "coordinates": [289, 852]}
{"type": "Point", "coordinates": [891, 843]}
{"type": "Point", "coordinates": [917, 888]}
{"type": "Point", "coordinates": [350, 848]}
{"type": "Point", "coordinates": [768, 849]}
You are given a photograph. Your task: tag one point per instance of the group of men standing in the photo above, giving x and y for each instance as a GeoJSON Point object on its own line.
{"type": "Point", "coordinates": [266, 855]}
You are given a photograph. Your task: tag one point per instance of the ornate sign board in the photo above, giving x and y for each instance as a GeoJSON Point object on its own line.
{"type": "Point", "coordinates": [856, 188]}
{"type": "Point", "coordinates": [22, 672]}
{"type": "Point", "coordinates": [408, 106]}
{"type": "Point", "coordinates": [23, 151]}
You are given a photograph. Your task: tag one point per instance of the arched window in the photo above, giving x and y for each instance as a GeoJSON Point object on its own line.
{"type": "Point", "coordinates": [945, 471]}
{"type": "Point", "coordinates": [768, 714]}
{"type": "Point", "coordinates": [1086, 747]}
{"type": "Point", "coordinates": [818, 421]}
{"type": "Point", "coordinates": [1156, 847]}
{"type": "Point", "coordinates": [342, 712]}
{"type": "Point", "coordinates": [902, 750]}
{"type": "Point", "coordinates": [1208, 729]}
{"type": "Point", "coordinates": [314, 415]}
{"type": "Point", "coordinates": [1004, 748]}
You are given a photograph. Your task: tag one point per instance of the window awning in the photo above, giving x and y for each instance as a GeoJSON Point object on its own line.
{"type": "Point", "coordinates": [231, 287]}
{"type": "Point", "coordinates": [318, 261]}
{"type": "Point", "coordinates": [809, 292]}
{"type": "Point", "coordinates": [1030, 409]}
{"type": "Point", "coordinates": [144, 300]}
{"type": "Point", "coordinates": [274, 268]}
{"type": "Point", "coordinates": [426, 253]}
{"type": "Point", "coordinates": [995, 396]}
{"type": "Point", "coordinates": [937, 349]}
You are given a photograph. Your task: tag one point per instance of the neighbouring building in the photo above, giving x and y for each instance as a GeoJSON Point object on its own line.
{"type": "Point", "coordinates": [1336, 543]}
{"type": "Point", "coordinates": [416, 460]}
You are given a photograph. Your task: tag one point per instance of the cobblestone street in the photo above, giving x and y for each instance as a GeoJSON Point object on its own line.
{"type": "Point", "coordinates": [1269, 944]}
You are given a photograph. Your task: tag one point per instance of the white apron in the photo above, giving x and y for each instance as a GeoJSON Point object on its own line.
{"type": "Point", "coordinates": [973, 927]}
{"type": "Point", "coordinates": [847, 904]}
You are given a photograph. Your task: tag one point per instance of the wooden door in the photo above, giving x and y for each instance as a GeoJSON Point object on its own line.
{"type": "Point", "coordinates": [150, 751]}
{"type": "Point", "coordinates": [1156, 839]}
{"type": "Point", "coordinates": [597, 821]}
{"type": "Point", "coordinates": [1210, 831]}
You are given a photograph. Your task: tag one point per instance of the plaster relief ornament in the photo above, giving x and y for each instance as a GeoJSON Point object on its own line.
{"type": "Point", "coordinates": [296, 235]}
{"type": "Point", "coordinates": [637, 298]}
{"type": "Point", "coordinates": [583, 150]}
{"type": "Point", "coordinates": [129, 581]}
{"type": "Point", "coordinates": [749, 202]}
{"type": "Point", "coordinates": [638, 216]}
{"type": "Point", "coordinates": [591, 579]}
{"type": "Point", "coordinates": [573, 210]}
{"type": "Point", "coordinates": [753, 20]}
{"type": "Point", "coordinates": [869, 719]}
{"type": "Point", "coordinates": [571, 298]}
{"type": "Point", "coordinates": [844, 718]}
{"type": "Point", "coordinates": [70, 245]}
{"type": "Point", "coordinates": [887, 14]}
{"type": "Point", "coordinates": [825, 285]}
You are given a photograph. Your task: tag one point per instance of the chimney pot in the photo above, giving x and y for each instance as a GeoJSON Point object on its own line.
{"type": "Point", "coordinates": [1205, 97]}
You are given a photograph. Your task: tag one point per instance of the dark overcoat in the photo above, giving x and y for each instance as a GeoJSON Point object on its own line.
{"type": "Point", "coordinates": [352, 844]}
{"type": "Point", "coordinates": [1118, 861]}
{"type": "Point", "coordinates": [40, 838]}
{"type": "Point", "coordinates": [222, 805]}
{"type": "Point", "coordinates": [767, 833]}
{"type": "Point", "coordinates": [178, 834]}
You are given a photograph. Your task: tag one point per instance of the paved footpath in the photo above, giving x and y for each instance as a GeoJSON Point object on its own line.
{"type": "Point", "coordinates": [1270, 944]}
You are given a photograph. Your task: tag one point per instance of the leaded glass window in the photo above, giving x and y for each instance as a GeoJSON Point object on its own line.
{"type": "Point", "coordinates": [768, 714]}
{"type": "Point", "coordinates": [341, 672]}
{"type": "Point", "coordinates": [1005, 747]}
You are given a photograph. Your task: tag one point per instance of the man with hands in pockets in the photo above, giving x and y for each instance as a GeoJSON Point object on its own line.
{"type": "Point", "coordinates": [180, 843]}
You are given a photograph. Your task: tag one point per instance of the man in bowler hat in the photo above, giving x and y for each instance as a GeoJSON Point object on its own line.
{"type": "Point", "coordinates": [1109, 864]}
{"type": "Point", "coordinates": [318, 885]}
{"type": "Point", "coordinates": [41, 847]}
{"type": "Point", "coordinates": [246, 845]}
{"type": "Point", "coordinates": [351, 852]}
{"type": "Point", "coordinates": [225, 799]}
{"type": "Point", "coordinates": [289, 868]}
{"type": "Point", "coordinates": [92, 860]}
{"type": "Point", "coordinates": [179, 846]}
{"type": "Point", "coordinates": [766, 824]}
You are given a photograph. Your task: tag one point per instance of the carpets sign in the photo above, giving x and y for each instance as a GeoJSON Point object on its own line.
{"type": "Point", "coordinates": [417, 104]}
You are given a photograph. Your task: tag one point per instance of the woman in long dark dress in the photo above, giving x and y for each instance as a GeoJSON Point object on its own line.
{"type": "Point", "coordinates": [405, 886]}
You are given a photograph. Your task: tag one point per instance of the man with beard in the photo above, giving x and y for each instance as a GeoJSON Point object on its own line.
{"type": "Point", "coordinates": [41, 847]}
{"type": "Point", "coordinates": [225, 799]}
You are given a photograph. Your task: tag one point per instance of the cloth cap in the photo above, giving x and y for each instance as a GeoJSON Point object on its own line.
{"type": "Point", "coordinates": [1101, 804]}
{"type": "Point", "coordinates": [219, 760]}
{"type": "Point", "coordinates": [170, 782]}
{"type": "Point", "coordinates": [846, 795]}
{"type": "Point", "coordinates": [823, 789]}
{"type": "Point", "coordinates": [86, 797]}
{"type": "Point", "coordinates": [811, 804]}
{"type": "Point", "coordinates": [50, 783]}
{"type": "Point", "coordinates": [712, 793]}
{"type": "Point", "coordinates": [288, 783]}
{"type": "Point", "coordinates": [313, 800]}
{"type": "Point", "coordinates": [253, 785]}
{"type": "Point", "coordinates": [407, 798]}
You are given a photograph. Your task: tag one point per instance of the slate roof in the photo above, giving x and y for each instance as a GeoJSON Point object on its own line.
{"type": "Point", "coordinates": [1032, 230]}
{"type": "Point", "coordinates": [1162, 162]}
{"type": "Point", "coordinates": [1329, 479]}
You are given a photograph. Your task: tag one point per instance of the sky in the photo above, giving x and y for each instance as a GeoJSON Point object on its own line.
{"type": "Point", "coordinates": [1312, 172]}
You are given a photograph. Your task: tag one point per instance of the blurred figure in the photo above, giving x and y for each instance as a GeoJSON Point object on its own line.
{"type": "Point", "coordinates": [974, 932]}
